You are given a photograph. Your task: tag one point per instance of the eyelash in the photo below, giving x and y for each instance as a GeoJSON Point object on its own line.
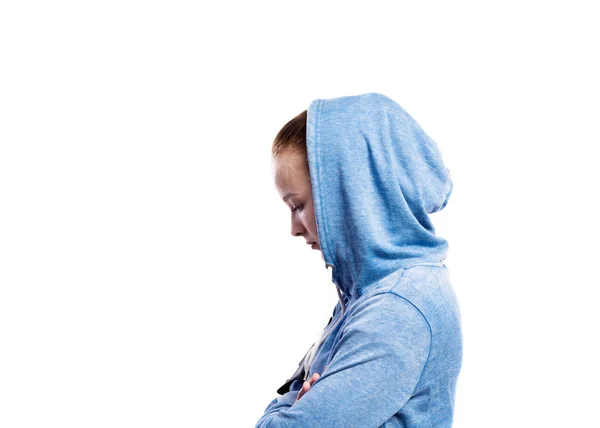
{"type": "Point", "coordinates": [299, 208]}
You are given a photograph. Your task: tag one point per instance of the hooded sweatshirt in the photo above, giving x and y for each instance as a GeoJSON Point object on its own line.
{"type": "Point", "coordinates": [392, 351]}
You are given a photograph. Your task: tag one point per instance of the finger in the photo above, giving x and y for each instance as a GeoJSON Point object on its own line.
{"type": "Point", "coordinates": [305, 387]}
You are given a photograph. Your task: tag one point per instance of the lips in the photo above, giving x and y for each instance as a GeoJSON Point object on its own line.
{"type": "Point", "coordinates": [314, 245]}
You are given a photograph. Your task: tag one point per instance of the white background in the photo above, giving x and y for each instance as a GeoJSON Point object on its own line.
{"type": "Point", "coordinates": [147, 271]}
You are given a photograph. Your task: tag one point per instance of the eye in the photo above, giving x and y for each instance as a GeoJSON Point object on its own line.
{"type": "Point", "coordinates": [298, 207]}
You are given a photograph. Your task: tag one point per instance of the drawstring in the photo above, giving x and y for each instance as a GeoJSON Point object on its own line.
{"type": "Point", "coordinates": [321, 338]}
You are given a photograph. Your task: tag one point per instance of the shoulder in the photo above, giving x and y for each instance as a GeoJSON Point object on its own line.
{"type": "Point", "coordinates": [386, 312]}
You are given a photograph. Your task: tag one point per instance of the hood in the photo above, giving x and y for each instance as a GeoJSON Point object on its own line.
{"type": "Point", "coordinates": [376, 176]}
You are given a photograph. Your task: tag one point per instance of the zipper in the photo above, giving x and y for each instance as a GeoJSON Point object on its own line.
{"type": "Point", "coordinates": [327, 331]}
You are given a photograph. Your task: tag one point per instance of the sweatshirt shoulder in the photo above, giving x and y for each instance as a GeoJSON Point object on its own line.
{"type": "Point", "coordinates": [421, 287]}
{"type": "Point", "coordinates": [387, 307]}
{"type": "Point", "coordinates": [429, 289]}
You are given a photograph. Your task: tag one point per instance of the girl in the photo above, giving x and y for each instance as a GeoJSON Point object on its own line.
{"type": "Point", "coordinates": [361, 177]}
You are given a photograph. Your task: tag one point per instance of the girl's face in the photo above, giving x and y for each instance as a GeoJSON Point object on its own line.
{"type": "Point", "coordinates": [292, 180]}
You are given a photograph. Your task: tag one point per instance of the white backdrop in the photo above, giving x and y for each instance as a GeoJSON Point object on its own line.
{"type": "Point", "coordinates": [148, 277]}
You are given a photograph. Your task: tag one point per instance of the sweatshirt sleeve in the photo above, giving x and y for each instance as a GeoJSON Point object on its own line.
{"type": "Point", "coordinates": [282, 402]}
{"type": "Point", "coordinates": [287, 399]}
{"type": "Point", "coordinates": [374, 368]}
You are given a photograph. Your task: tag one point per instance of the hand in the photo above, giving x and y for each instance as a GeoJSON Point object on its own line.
{"type": "Point", "coordinates": [307, 384]}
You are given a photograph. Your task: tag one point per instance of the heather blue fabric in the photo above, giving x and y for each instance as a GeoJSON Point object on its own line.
{"type": "Point", "coordinates": [394, 349]}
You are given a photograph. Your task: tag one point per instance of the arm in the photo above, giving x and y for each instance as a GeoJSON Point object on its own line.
{"type": "Point", "coordinates": [282, 402]}
{"type": "Point", "coordinates": [374, 369]}
{"type": "Point", "coordinates": [287, 399]}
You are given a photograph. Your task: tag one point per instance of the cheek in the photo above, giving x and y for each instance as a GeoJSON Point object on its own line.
{"type": "Point", "coordinates": [312, 211]}
{"type": "Point", "coordinates": [310, 215]}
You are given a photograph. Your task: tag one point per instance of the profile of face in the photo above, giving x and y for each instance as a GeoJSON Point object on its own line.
{"type": "Point", "coordinates": [292, 181]}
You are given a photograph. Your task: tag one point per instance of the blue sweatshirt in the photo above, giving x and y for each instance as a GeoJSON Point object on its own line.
{"type": "Point", "coordinates": [392, 352]}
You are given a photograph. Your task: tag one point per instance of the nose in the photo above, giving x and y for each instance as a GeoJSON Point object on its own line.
{"type": "Point", "coordinates": [298, 228]}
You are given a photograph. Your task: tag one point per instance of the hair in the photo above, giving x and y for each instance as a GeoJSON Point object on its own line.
{"type": "Point", "coordinates": [291, 139]}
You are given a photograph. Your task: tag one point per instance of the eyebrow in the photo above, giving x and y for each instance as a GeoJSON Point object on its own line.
{"type": "Point", "coordinates": [286, 197]}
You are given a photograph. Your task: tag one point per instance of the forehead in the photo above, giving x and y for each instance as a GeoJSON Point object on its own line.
{"type": "Point", "coordinates": [290, 173]}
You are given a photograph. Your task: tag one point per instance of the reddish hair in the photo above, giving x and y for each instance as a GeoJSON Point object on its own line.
{"type": "Point", "coordinates": [291, 139]}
